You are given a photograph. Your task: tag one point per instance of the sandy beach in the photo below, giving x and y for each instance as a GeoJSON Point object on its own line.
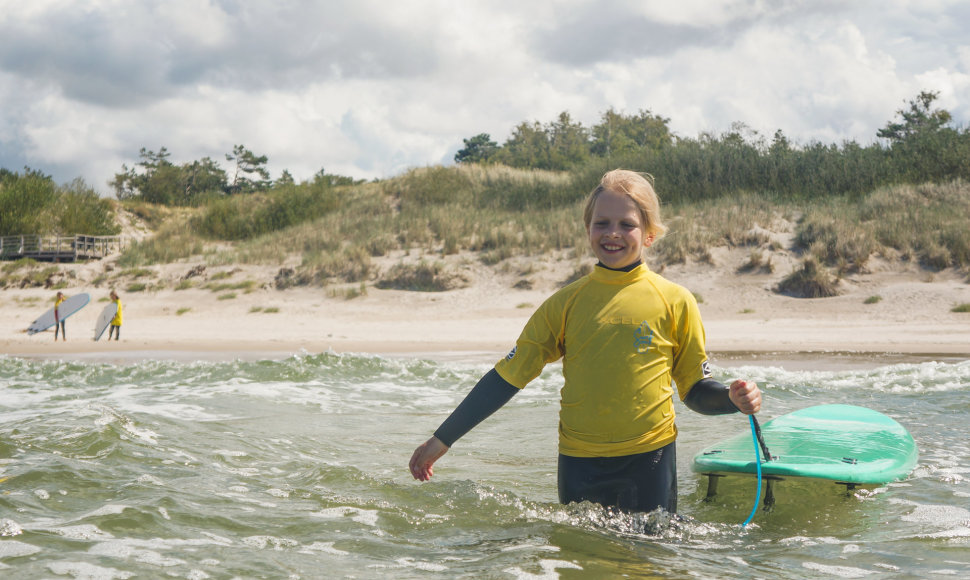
{"type": "Point", "coordinates": [745, 319]}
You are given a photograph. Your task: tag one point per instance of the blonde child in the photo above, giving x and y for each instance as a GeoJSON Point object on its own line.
{"type": "Point", "coordinates": [626, 336]}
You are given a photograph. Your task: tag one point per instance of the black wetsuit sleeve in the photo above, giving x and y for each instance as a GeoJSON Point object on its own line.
{"type": "Point", "coordinates": [709, 397]}
{"type": "Point", "coordinates": [488, 396]}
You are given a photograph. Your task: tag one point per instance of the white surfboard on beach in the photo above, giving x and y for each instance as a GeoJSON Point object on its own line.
{"type": "Point", "coordinates": [67, 308]}
{"type": "Point", "coordinates": [104, 319]}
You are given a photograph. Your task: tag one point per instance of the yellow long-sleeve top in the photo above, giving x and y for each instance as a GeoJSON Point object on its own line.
{"type": "Point", "coordinates": [625, 338]}
{"type": "Point", "coordinates": [116, 321]}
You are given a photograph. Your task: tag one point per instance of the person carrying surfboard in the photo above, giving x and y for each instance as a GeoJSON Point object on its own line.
{"type": "Point", "coordinates": [59, 323]}
{"type": "Point", "coordinates": [625, 336]}
{"type": "Point", "coordinates": [116, 321]}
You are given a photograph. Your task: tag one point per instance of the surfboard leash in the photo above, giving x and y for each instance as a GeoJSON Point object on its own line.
{"type": "Point", "coordinates": [756, 439]}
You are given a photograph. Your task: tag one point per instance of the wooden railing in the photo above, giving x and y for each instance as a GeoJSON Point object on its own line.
{"type": "Point", "coordinates": [59, 248]}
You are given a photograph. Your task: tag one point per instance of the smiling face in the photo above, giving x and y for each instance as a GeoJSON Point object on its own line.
{"type": "Point", "coordinates": [616, 230]}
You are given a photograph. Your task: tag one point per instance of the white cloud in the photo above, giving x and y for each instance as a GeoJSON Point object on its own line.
{"type": "Point", "coordinates": [369, 88]}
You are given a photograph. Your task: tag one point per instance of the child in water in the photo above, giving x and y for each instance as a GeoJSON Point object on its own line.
{"type": "Point", "coordinates": [116, 321]}
{"type": "Point", "coordinates": [625, 334]}
{"type": "Point", "coordinates": [58, 322]}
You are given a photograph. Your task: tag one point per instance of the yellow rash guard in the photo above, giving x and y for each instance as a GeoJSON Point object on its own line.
{"type": "Point", "coordinates": [625, 338]}
{"type": "Point", "coordinates": [116, 321]}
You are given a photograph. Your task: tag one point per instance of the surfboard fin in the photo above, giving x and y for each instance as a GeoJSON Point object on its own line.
{"type": "Point", "coordinates": [769, 501]}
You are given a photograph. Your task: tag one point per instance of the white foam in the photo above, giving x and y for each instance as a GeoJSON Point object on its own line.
{"type": "Point", "coordinates": [325, 548]}
{"type": "Point", "coordinates": [10, 528]}
{"type": "Point", "coordinates": [15, 549]}
{"type": "Point", "coordinates": [131, 550]}
{"type": "Point", "coordinates": [938, 515]}
{"type": "Point", "coordinates": [548, 567]}
{"type": "Point", "coordinates": [421, 565]}
{"type": "Point", "coordinates": [366, 517]}
{"type": "Point", "coordinates": [263, 542]}
{"type": "Point", "coordinates": [82, 532]}
{"type": "Point", "coordinates": [87, 571]}
{"type": "Point", "coordinates": [840, 571]}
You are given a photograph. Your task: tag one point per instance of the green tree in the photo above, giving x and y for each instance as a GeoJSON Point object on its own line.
{"type": "Point", "coordinates": [527, 146]}
{"type": "Point", "coordinates": [617, 134]}
{"type": "Point", "coordinates": [922, 146]}
{"type": "Point", "coordinates": [155, 179]}
{"type": "Point", "coordinates": [557, 146]}
{"type": "Point", "coordinates": [25, 202]}
{"type": "Point", "coordinates": [477, 149]}
{"type": "Point", "coordinates": [285, 178]}
{"type": "Point", "coordinates": [568, 143]}
{"type": "Point", "coordinates": [32, 204]}
{"type": "Point", "coordinates": [200, 180]}
{"type": "Point", "coordinates": [920, 118]}
{"type": "Point", "coordinates": [247, 165]}
{"type": "Point", "coordinates": [131, 183]}
{"type": "Point", "coordinates": [80, 210]}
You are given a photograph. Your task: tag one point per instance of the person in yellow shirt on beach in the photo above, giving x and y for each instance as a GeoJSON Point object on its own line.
{"type": "Point", "coordinates": [626, 337]}
{"type": "Point", "coordinates": [116, 321]}
{"type": "Point", "coordinates": [58, 322]}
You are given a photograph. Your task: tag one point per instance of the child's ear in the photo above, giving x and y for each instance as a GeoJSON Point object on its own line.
{"type": "Point", "coordinates": [648, 240]}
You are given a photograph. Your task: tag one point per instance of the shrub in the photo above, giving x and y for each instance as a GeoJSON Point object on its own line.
{"type": "Point", "coordinates": [756, 263]}
{"type": "Point", "coordinates": [421, 277]}
{"type": "Point", "coordinates": [812, 280]}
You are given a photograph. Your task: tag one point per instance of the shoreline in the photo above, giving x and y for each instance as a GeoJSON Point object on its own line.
{"type": "Point", "coordinates": [746, 322]}
{"type": "Point", "coordinates": [128, 352]}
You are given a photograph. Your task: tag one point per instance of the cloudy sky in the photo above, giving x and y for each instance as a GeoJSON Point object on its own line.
{"type": "Point", "coordinates": [369, 88]}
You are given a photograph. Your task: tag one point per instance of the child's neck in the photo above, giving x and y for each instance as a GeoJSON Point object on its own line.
{"type": "Point", "coordinates": [628, 268]}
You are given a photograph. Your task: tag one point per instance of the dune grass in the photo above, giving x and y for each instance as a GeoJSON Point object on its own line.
{"type": "Point", "coordinates": [500, 213]}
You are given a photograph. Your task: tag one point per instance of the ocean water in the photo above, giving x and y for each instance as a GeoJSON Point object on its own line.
{"type": "Point", "coordinates": [297, 468]}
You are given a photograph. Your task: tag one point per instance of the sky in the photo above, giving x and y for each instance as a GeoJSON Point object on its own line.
{"type": "Point", "coordinates": [370, 89]}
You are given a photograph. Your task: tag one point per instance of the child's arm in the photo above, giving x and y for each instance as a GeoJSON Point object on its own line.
{"type": "Point", "coordinates": [710, 397]}
{"type": "Point", "coordinates": [488, 396]}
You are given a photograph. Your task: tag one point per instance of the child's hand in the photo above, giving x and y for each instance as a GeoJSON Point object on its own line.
{"type": "Point", "coordinates": [423, 458]}
{"type": "Point", "coordinates": [746, 396]}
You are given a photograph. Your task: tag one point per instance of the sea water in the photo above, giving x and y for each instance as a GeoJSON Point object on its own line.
{"type": "Point", "coordinates": [297, 468]}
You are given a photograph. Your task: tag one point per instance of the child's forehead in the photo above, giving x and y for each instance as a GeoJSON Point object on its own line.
{"type": "Point", "coordinates": [610, 199]}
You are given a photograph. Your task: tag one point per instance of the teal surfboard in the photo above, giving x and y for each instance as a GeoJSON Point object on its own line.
{"type": "Point", "coordinates": [841, 443]}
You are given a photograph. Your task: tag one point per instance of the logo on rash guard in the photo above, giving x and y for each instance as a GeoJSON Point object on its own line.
{"type": "Point", "coordinates": [511, 354]}
{"type": "Point", "coordinates": [643, 337]}
{"type": "Point", "coordinates": [706, 369]}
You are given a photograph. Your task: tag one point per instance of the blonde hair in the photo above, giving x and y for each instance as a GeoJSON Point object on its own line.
{"type": "Point", "coordinates": [639, 189]}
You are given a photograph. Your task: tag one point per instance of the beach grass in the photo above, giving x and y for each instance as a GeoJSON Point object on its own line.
{"type": "Point", "coordinates": [500, 213]}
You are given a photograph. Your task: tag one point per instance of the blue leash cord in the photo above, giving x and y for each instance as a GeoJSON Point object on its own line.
{"type": "Point", "coordinates": [757, 455]}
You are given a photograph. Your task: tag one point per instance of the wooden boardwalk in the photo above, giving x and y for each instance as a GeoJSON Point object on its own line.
{"type": "Point", "coordinates": [59, 248]}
